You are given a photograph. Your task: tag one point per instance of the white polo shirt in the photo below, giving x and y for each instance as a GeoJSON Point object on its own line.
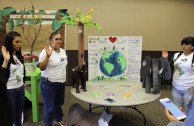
{"type": "Point", "coordinates": [56, 68]}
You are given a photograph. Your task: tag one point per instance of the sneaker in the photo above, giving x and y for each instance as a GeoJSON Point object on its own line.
{"type": "Point", "coordinates": [61, 123]}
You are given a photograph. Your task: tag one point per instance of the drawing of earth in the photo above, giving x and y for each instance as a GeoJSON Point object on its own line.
{"type": "Point", "coordinates": [112, 63]}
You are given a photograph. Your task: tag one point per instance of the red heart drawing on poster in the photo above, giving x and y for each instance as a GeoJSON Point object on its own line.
{"type": "Point", "coordinates": [112, 39]}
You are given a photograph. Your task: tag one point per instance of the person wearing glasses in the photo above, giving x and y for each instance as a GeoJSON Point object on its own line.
{"type": "Point", "coordinates": [182, 64]}
{"type": "Point", "coordinates": [13, 63]}
{"type": "Point", "coordinates": [52, 63]}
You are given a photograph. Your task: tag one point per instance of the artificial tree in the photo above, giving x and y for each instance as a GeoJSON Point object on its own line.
{"type": "Point", "coordinates": [58, 24]}
{"type": "Point", "coordinates": [79, 19]}
{"type": "Point", "coordinates": [29, 17]}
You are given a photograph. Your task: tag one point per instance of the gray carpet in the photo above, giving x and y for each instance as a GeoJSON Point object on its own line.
{"type": "Point", "coordinates": [153, 112]}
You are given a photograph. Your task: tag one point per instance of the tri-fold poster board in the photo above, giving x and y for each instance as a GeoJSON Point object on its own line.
{"type": "Point", "coordinates": [114, 57]}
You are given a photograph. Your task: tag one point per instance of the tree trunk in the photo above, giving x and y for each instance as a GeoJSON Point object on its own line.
{"type": "Point", "coordinates": [62, 33]}
{"type": "Point", "coordinates": [80, 43]}
{"type": "Point", "coordinates": [3, 32]}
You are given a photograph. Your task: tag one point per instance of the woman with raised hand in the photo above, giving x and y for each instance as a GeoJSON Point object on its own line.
{"type": "Point", "coordinates": [53, 62]}
{"type": "Point", "coordinates": [13, 63]}
{"type": "Point", "coordinates": [183, 73]}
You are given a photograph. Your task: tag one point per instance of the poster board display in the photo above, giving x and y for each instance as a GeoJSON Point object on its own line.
{"type": "Point", "coordinates": [114, 58]}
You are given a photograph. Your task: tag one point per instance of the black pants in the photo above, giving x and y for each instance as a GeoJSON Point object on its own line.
{"type": "Point", "coordinates": [6, 111]}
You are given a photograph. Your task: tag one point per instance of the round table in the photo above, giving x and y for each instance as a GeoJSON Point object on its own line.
{"type": "Point", "coordinates": [124, 93]}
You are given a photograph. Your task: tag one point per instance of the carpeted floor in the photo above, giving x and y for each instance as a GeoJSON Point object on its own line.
{"type": "Point", "coordinates": [153, 112]}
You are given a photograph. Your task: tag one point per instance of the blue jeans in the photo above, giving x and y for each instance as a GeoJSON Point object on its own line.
{"type": "Point", "coordinates": [53, 98]}
{"type": "Point", "coordinates": [181, 98]}
{"type": "Point", "coordinates": [17, 99]}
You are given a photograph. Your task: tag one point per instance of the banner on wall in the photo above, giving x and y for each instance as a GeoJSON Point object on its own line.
{"type": "Point", "coordinates": [114, 58]}
{"type": "Point", "coordinates": [46, 19]}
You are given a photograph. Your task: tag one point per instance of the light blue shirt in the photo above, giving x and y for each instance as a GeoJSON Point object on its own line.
{"type": "Point", "coordinates": [190, 117]}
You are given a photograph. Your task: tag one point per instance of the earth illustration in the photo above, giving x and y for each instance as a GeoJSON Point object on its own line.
{"type": "Point", "coordinates": [113, 63]}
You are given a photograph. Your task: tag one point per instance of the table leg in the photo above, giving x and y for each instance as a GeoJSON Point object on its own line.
{"type": "Point", "coordinates": [34, 92]}
{"type": "Point", "coordinates": [90, 107]}
{"type": "Point", "coordinates": [107, 108]}
{"type": "Point", "coordinates": [134, 107]}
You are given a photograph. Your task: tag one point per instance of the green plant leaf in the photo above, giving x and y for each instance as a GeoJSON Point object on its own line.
{"type": "Point", "coordinates": [63, 12]}
{"type": "Point", "coordinates": [66, 18]}
{"type": "Point", "coordinates": [18, 22]}
{"type": "Point", "coordinates": [38, 21]}
{"type": "Point", "coordinates": [21, 12]}
{"type": "Point", "coordinates": [53, 13]}
{"type": "Point", "coordinates": [11, 24]}
{"type": "Point", "coordinates": [9, 10]}
{"type": "Point", "coordinates": [30, 21]}
{"type": "Point", "coordinates": [41, 12]}
{"type": "Point", "coordinates": [29, 11]}
{"type": "Point", "coordinates": [56, 25]}
{"type": "Point", "coordinates": [1, 15]}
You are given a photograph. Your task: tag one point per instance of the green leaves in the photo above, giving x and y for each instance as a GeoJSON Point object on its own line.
{"type": "Point", "coordinates": [1, 15]}
{"type": "Point", "coordinates": [56, 25]}
{"type": "Point", "coordinates": [5, 12]}
{"type": "Point", "coordinates": [9, 10]}
{"type": "Point", "coordinates": [63, 12]}
{"type": "Point", "coordinates": [19, 21]}
{"type": "Point", "coordinates": [41, 12]}
{"type": "Point", "coordinates": [11, 24]}
{"type": "Point", "coordinates": [32, 18]}
{"type": "Point", "coordinates": [82, 18]}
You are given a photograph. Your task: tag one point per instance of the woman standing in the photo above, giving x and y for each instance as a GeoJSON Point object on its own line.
{"type": "Point", "coordinates": [53, 62]}
{"type": "Point", "coordinates": [15, 75]}
{"type": "Point", "coordinates": [6, 116]}
{"type": "Point", "coordinates": [183, 74]}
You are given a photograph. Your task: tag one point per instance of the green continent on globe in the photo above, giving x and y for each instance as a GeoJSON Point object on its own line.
{"type": "Point", "coordinates": [113, 63]}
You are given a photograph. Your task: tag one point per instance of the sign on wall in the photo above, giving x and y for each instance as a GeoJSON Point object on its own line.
{"type": "Point", "coordinates": [114, 58]}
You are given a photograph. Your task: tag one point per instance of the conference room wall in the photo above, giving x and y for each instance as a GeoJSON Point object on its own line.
{"type": "Point", "coordinates": [162, 23]}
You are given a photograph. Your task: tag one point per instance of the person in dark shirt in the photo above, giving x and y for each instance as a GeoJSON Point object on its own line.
{"type": "Point", "coordinates": [6, 112]}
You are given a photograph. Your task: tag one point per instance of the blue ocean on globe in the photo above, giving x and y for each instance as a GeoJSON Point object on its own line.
{"type": "Point", "coordinates": [113, 63]}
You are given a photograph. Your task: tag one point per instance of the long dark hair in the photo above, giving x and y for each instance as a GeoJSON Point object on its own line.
{"type": "Point", "coordinates": [9, 46]}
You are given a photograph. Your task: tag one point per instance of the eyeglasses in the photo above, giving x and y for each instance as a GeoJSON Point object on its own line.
{"type": "Point", "coordinates": [56, 39]}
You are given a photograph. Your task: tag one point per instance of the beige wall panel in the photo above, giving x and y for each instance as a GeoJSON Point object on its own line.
{"type": "Point", "coordinates": [150, 23]}
{"type": "Point", "coordinates": [118, 17]}
{"type": "Point", "coordinates": [180, 22]}
{"type": "Point", "coordinates": [162, 23]}
{"type": "Point", "coordinates": [41, 40]}
{"type": "Point", "coordinates": [72, 31]}
{"type": "Point", "coordinates": [38, 4]}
